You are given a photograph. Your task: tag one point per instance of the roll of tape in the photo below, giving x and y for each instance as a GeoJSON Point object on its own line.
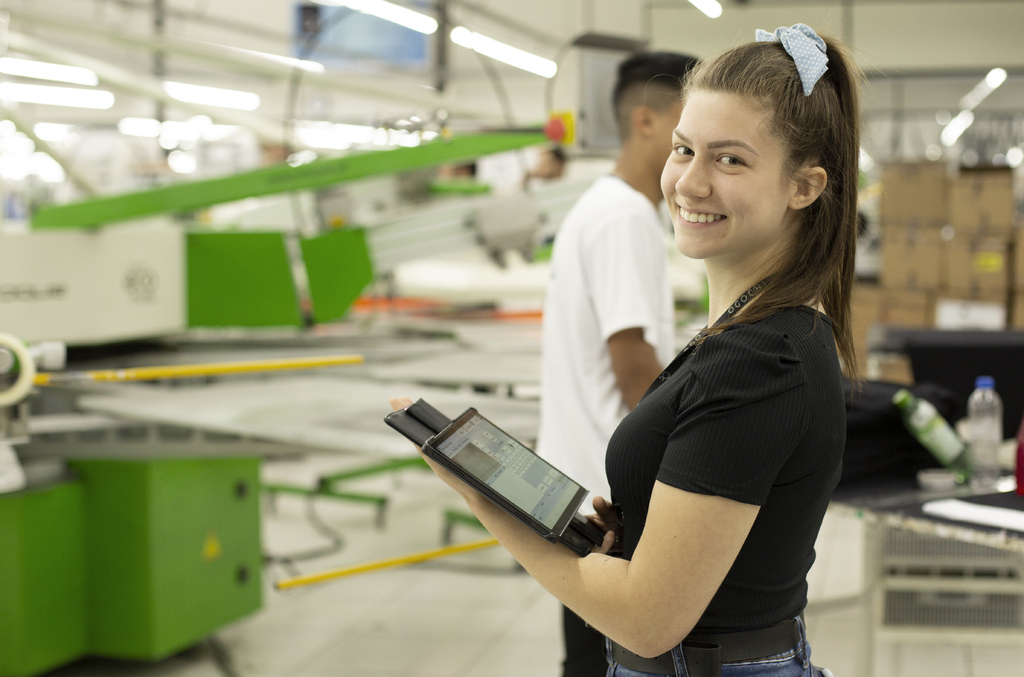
{"type": "Point", "coordinates": [23, 385]}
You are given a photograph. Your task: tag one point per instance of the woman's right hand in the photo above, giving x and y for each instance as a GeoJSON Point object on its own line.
{"type": "Point", "coordinates": [608, 520]}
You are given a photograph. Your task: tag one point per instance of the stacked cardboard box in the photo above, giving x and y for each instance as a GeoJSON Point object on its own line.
{"type": "Point", "coordinates": [1017, 275]}
{"type": "Point", "coordinates": [914, 210]}
{"type": "Point", "coordinates": [979, 252]}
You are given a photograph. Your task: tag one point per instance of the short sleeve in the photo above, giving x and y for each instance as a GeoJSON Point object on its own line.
{"type": "Point", "coordinates": [739, 417]}
{"type": "Point", "coordinates": [625, 267]}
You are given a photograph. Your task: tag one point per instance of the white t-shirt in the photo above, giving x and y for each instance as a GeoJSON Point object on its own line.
{"type": "Point", "coordinates": [609, 272]}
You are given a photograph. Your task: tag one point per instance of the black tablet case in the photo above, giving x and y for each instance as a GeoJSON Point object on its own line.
{"type": "Point", "coordinates": [420, 421]}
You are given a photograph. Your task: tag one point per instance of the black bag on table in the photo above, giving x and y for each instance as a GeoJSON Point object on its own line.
{"type": "Point", "coordinates": [877, 443]}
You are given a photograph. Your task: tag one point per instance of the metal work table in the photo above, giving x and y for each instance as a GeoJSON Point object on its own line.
{"type": "Point", "coordinates": [931, 579]}
{"type": "Point", "coordinates": [312, 411]}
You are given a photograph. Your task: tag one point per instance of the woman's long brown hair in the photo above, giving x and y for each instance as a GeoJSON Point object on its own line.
{"type": "Point", "coordinates": [823, 130]}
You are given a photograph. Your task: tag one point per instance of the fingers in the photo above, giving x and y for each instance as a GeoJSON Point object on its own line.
{"type": "Point", "coordinates": [399, 402]}
{"type": "Point", "coordinates": [606, 545]}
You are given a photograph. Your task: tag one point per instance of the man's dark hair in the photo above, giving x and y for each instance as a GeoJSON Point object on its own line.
{"type": "Point", "coordinates": [652, 79]}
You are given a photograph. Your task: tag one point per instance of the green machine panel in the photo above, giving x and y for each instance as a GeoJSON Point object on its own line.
{"type": "Point", "coordinates": [172, 551]}
{"type": "Point", "coordinates": [42, 579]}
{"type": "Point", "coordinates": [240, 279]}
{"type": "Point", "coordinates": [281, 178]}
{"type": "Point", "coordinates": [338, 266]}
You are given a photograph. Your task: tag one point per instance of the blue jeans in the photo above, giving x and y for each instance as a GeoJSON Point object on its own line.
{"type": "Point", "coordinates": [793, 663]}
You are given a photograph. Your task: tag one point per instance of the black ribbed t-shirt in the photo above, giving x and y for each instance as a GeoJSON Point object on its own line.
{"type": "Point", "coordinates": [755, 414]}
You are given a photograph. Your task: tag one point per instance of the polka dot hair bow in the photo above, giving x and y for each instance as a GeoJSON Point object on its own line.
{"type": "Point", "coordinates": [806, 48]}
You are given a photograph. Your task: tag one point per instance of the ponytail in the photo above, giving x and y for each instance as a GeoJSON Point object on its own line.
{"type": "Point", "coordinates": [820, 129]}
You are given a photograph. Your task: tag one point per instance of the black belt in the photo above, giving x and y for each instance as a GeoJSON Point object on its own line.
{"type": "Point", "coordinates": [705, 653]}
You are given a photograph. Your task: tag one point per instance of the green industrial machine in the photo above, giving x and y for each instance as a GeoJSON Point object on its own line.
{"type": "Point", "coordinates": [142, 558]}
{"type": "Point", "coordinates": [132, 559]}
{"type": "Point", "coordinates": [245, 279]}
{"type": "Point", "coordinates": [42, 579]}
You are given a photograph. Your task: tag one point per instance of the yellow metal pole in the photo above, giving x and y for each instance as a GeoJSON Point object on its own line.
{"type": "Point", "coordinates": [190, 370]}
{"type": "Point", "coordinates": [311, 579]}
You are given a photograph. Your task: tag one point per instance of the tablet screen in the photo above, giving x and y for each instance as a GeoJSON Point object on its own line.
{"type": "Point", "coordinates": [510, 469]}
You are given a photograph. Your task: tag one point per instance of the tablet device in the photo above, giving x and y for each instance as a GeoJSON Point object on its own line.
{"type": "Point", "coordinates": [506, 472]}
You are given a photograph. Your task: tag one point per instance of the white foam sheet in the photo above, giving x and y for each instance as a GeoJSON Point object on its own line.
{"type": "Point", "coordinates": [962, 511]}
{"type": "Point", "coordinates": [318, 411]}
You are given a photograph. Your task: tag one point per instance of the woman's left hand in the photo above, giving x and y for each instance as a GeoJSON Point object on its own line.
{"type": "Point", "coordinates": [446, 475]}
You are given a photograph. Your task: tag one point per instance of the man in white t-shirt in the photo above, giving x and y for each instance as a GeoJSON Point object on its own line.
{"type": "Point", "coordinates": [608, 313]}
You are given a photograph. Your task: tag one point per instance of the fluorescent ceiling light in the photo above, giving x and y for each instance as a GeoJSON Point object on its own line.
{"type": "Point", "coordinates": [181, 162]}
{"type": "Point", "coordinates": [198, 127]}
{"type": "Point", "coordinates": [995, 77]}
{"type": "Point", "coordinates": [389, 12]}
{"type": "Point", "coordinates": [144, 127]}
{"type": "Point", "coordinates": [504, 53]}
{"type": "Point", "coordinates": [1015, 156]}
{"type": "Point", "coordinates": [956, 127]}
{"type": "Point", "coordinates": [710, 7]}
{"type": "Point", "coordinates": [47, 71]}
{"type": "Point", "coordinates": [304, 64]}
{"type": "Point", "coordinates": [212, 96]}
{"type": "Point", "coordinates": [56, 96]}
{"type": "Point", "coordinates": [334, 137]}
{"type": "Point", "coordinates": [52, 131]}
{"type": "Point", "coordinates": [17, 145]}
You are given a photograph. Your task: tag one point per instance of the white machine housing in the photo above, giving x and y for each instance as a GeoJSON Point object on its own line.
{"type": "Point", "coordinates": [117, 283]}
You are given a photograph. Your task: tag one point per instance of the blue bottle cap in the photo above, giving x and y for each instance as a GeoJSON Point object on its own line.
{"type": "Point", "coordinates": [985, 382]}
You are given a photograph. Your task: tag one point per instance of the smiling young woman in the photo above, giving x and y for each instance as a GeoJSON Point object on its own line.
{"type": "Point", "coordinates": [723, 471]}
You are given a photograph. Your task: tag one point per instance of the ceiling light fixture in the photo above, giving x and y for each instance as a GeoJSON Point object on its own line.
{"type": "Point", "coordinates": [212, 96]}
{"type": "Point", "coordinates": [956, 127]}
{"type": "Point", "coordinates": [56, 96]}
{"type": "Point", "coordinates": [47, 71]}
{"type": "Point", "coordinates": [710, 7]}
{"type": "Point", "coordinates": [389, 12]}
{"type": "Point", "coordinates": [499, 51]}
{"type": "Point", "coordinates": [52, 131]}
{"type": "Point", "coordinates": [333, 137]}
{"type": "Point", "coordinates": [198, 127]}
{"type": "Point", "coordinates": [304, 64]}
{"type": "Point", "coordinates": [995, 77]}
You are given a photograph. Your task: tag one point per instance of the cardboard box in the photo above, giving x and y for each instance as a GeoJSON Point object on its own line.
{"type": "Point", "coordinates": [915, 192]}
{"type": "Point", "coordinates": [1017, 260]}
{"type": "Point", "coordinates": [912, 258]}
{"type": "Point", "coordinates": [977, 267]}
{"type": "Point", "coordinates": [1016, 319]}
{"type": "Point", "coordinates": [865, 313]}
{"type": "Point", "coordinates": [891, 368]}
{"type": "Point", "coordinates": [982, 203]}
{"type": "Point", "coordinates": [901, 308]}
{"type": "Point", "coordinates": [977, 312]}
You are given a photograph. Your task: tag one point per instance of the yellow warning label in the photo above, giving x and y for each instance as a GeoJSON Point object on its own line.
{"type": "Point", "coordinates": [988, 262]}
{"type": "Point", "coordinates": [211, 547]}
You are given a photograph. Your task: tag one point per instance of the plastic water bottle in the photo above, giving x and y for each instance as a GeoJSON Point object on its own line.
{"type": "Point", "coordinates": [985, 418]}
{"type": "Point", "coordinates": [933, 432]}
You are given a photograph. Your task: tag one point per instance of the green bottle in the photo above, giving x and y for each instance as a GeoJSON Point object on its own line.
{"type": "Point", "coordinates": [934, 433]}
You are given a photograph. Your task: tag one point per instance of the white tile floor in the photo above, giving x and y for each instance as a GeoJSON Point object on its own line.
{"type": "Point", "coordinates": [476, 615]}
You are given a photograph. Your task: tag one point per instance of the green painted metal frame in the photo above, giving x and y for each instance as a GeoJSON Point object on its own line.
{"type": "Point", "coordinates": [453, 517]}
{"type": "Point", "coordinates": [282, 178]}
{"type": "Point", "coordinates": [325, 484]}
